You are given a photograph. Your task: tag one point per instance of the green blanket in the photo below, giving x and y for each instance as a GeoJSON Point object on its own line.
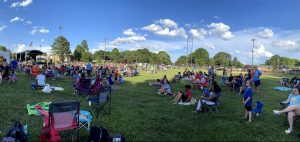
{"type": "Point", "coordinates": [31, 108]}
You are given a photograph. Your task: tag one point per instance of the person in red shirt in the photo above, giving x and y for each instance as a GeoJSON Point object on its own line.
{"type": "Point", "coordinates": [184, 97]}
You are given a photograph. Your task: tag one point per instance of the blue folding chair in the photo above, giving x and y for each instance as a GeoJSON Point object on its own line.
{"type": "Point", "coordinates": [258, 108]}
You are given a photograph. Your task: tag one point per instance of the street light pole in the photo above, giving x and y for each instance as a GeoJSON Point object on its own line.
{"type": "Point", "coordinates": [253, 40]}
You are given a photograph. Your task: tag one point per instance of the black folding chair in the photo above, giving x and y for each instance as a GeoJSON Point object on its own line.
{"type": "Point", "coordinates": [100, 103]}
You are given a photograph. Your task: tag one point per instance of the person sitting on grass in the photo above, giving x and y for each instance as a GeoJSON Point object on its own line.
{"type": "Point", "coordinates": [185, 98]}
{"type": "Point", "coordinates": [40, 80]}
{"type": "Point", "coordinates": [165, 89]}
{"type": "Point", "coordinates": [209, 96]}
{"type": "Point", "coordinates": [292, 110]}
{"type": "Point", "coordinates": [48, 72]}
{"type": "Point", "coordinates": [247, 101]}
{"type": "Point", "coordinates": [13, 77]}
{"type": "Point", "coordinates": [176, 77]}
{"type": "Point", "coordinates": [284, 81]}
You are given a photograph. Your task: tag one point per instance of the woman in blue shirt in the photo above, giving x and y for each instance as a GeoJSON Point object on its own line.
{"type": "Point", "coordinates": [293, 109]}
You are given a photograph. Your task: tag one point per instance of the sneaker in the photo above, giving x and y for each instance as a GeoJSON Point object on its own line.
{"type": "Point", "coordinates": [195, 111]}
{"type": "Point", "coordinates": [276, 112]}
{"type": "Point", "coordinates": [288, 131]}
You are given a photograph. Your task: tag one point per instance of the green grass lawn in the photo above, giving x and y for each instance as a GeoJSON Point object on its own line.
{"type": "Point", "coordinates": [141, 115]}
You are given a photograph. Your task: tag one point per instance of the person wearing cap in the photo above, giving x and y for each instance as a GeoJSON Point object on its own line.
{"type": "Point", "coordinates": [292, 110]}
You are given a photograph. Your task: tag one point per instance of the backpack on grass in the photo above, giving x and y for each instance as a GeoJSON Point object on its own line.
{"type": "Point", "coordinates": [98, 134]}
{"type": "Point", "coordinates": [16, 134]}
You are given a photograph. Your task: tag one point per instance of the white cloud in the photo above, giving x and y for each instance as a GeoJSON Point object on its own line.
{"type": "Point", "coordinates": [152, 28]}
{"type": "Point", "coordinates": [2, 27]}
{"type": "Point", "coordinates": [167, 23]}
{"type": "Point", "coordinates": [24, 3]}
{"type": "Point", "coordinates": [266, 33]}
{"type": "Point", "coordinates": [220, 29]}
{"type": "Point", "coordinates": [286, 45]}
{"type": "Point", "coordinates": [260, 51]}
{"type": "Point", "coordinates": [28, 22]}
{"type": "Point", "coordinates": [39, 30]}
{"type": "Point", "coordinates": [43, 30]}
{"type": "Point", "coordinates": [21, 47]}
{"type": "Point", "coordinates": [209, 45]}
{"type": "Point", "coordinates": [198, 33]}
{"type": "Point", "coordinates": [4, 0]}
{"type": "Point", "coordinates": [129, 32]}
{"type": "Point", "coordinates": [167, 28]}
{"type": "Point", "coordinates": [217, 17]}
{"type": "Point", "coordinates": [131, 39]}
{"type": "Point", "coordinates": [33, 31]}
{"type": "Point", "coordinates": [16, 19]}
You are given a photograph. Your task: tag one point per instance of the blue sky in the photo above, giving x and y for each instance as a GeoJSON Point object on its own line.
{"type": "Point", "coordinates": [159, 25]}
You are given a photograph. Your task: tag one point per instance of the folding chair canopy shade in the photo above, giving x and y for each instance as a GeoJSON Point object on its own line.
{"type": "Point", "coordinates": [64, 106]}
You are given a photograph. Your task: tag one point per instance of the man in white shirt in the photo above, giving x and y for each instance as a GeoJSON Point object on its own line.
{"type": "Point", "coordinates": [41, 80]}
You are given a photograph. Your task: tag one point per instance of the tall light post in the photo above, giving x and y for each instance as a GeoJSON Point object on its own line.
{"type": "Point", "coordinates": [253, 40]}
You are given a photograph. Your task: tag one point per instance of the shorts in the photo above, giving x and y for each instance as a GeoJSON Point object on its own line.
{"type": "Point", "coordinates": [183, 98]}
{"type": "Point", "coordinates": [248, 108]}
{"type": "Point", "coordinates": [256, 83]}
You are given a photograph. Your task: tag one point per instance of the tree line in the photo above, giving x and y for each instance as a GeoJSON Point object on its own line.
{"type": "Point", "coordinates": [200, 57]}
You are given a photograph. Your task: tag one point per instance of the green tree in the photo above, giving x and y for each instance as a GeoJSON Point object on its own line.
{"type": "Point", "coordinates": [78, 52]}
{"type": "Point", "coordinates": [61, 48]}
{"type": "Point", "coordinates": [164, 57]}
{"type": "Point", "coordinates": [87, 56]}
{"type": "Point", "coordinates": [2, 48]}
{"type": "Point", "coordinates": [85, 46]}
{"type": "Point", "coordinates": [236, 62]}
{"type": "Point", "coordinates": [143, 55]}
{"type": "Point", "coordinates": [275, 61]}
{"type": "Point", "coordinates": [99, 56]}
{"type": "Point", "coordinates": [222, 58]}
{"type": "Point", "coordinates": [115, 55]}
{"type": "Point", "coordinates": [200, 56]}
{"type": "Point", "coordinates": [181, 60]}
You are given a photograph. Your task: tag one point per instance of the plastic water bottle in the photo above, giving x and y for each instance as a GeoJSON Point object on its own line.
{"type": "Point", "coordinates": [25, 128]}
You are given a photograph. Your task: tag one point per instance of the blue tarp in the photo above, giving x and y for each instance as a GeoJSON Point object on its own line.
{"type": "Point", "coordinates": [281, 88]}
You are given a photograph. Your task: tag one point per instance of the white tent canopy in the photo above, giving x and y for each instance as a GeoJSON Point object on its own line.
{"type": "Point", "coordinates": [6, 55]}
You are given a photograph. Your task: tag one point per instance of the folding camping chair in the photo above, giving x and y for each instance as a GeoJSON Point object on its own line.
{"type": "Point", "coordinates": [63, 117]}
{"type": "Point", "coordinates": [83, 87]}
{"type": "Point", "coordinates": [258, 108]}
{"type": "Point", "coordinates": [211, 106]}
{"type": "Point", "coordinates": [85, 119]}
{"type": "Point", "coordinates": [98, 104]}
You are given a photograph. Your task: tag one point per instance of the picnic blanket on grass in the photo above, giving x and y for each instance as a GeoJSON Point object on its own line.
{"type": "Point", "coordinates": [32, 110]}
{"type": "Point", "coordinates": [282, 88]}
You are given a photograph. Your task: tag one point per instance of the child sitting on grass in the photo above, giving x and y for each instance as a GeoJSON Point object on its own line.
{"type": "Point", "coordinates": [247, 101]}
{"type": "Point", "coordinates": [13, 77]}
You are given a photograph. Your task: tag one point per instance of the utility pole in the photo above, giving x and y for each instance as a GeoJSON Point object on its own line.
{"type": "Point", "coordinates": [105, 51]}
{"type": "Point", "coordinates": [253, 40]}
{"type": "Point", "coordinates": [187, 51]}
{"type": "Point", "coordinates": [192, 51]}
